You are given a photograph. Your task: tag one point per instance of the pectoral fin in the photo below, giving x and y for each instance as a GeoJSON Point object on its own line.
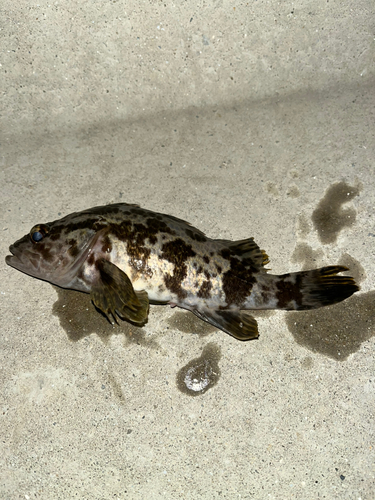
{"type": "Point", "coordinates": [239, 324]}
{"type": "Point", "coordinates": [114, 294]}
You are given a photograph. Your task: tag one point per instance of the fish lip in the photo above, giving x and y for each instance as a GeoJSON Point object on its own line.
{"type": "Point", "coordinates": [15, 253]}
{"type": "Point", "coordinates": [14, 261]}
{"type": "Point", "coordinates": [12, 250]}
{"type": "Point", "coordinates": [9, 258]}
{"type": "Point", "coordinates": [17, 262]}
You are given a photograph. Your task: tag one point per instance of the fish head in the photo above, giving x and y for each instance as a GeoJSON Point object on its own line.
{"type": "Point", "coordinates": [56, 251]}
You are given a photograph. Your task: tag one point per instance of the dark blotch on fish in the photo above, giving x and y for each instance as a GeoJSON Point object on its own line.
{"type": "Point", "coordinates": [288, 292]}
{"type": "Point", "coordinates": [195, 235]}
{"type": "Point", "coordinates": [177, 252]}
{"type": "Point", "coordinates": [204, 291]}
{"type": "Point", "coordinates": [237, 282]}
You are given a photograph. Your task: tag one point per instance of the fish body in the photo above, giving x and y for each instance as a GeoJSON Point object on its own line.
{"type": "Point", "coordinates": [127, 257]}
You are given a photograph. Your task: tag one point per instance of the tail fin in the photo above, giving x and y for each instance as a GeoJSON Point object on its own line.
{"type": "Point", "coordinates": [313, 289]}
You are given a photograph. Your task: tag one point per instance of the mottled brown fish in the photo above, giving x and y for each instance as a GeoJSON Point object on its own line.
{"type": "Point", "coordinates": [127, 257]}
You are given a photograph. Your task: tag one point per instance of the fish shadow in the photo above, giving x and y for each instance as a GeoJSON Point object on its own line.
{"type": "Point", "coordinates": [335, 331]}
{"type": "Point", "coordinates": [80, 318]}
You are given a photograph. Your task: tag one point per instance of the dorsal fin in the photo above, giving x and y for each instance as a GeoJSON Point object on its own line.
{"type": "Point", "coordinates": [247, 249]}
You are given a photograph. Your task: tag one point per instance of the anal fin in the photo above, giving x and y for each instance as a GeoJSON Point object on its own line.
{"type": "Point", "coordinates": [238, 324]}
{"type": "Point", "coordinates": [114, 294]}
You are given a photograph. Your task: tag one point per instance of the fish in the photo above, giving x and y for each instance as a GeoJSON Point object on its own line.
{"type": "Point", "coordinates": [127, 257]}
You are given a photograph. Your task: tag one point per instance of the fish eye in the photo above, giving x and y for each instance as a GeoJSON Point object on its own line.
{"type": "Point", "coordinates": [38, 233]}
{"type": "Point", "coordinates": [37, 236]}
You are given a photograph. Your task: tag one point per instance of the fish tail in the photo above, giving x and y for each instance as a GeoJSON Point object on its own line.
{"type": "Point", "coordinates": [312, 289]}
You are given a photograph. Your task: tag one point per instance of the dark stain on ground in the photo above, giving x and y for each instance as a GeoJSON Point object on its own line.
{"type": "Point", "coordinates": [303, 226]}
{"type": "Point", "coordinates": [307, 363]}
{"type": "Point", "coordinates": [329, 218]}
{"type": "Point", "coordinates": [200, 374]}
{"type": "Point", "coordinates": [293, 191]}
{"type": "Point", "coordinates": [116, 388]}
{"type": "Point", "coordinates": [79, 318]}
{"type": "Point", "coordinates": [186, 322]}
{"type": "Point", "coordinates": [305, 255]}
{"type": "Point", "coordinates": [335, 331]}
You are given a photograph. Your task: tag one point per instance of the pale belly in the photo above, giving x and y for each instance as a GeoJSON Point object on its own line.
{"type": "Point", "coordinates": [151, 278]}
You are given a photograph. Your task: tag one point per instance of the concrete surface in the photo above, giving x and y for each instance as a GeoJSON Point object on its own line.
{"type": "Point", "coordinates": [248, 119]}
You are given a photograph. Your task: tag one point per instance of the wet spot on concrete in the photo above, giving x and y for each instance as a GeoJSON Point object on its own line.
{"type": "Point", "coordinates": [307, 363]}
{"type": "Point", "coordinates": [79, 318]}
{"type": "Point", "coordinates": [272, 189]}
{"type": "Point", "coordinates": [200, 374]}
{"type": "Point", "coordinates": [329, 218]}
{"type": "Point", "coordinates": [116, 388]}
{"type": "Point", "coordinates": [303, 226]}
{"type": "Point", "coordinates": [335, 331]}
{"type": "Point", "coordinates": [305, 255]}
{"type": "Point", "coordinates": [186, 322]}
{"type": "Point", "coordinates": [294, 174]}
{"type": "Point", "coordinates": [293, 191]}
{"type": "Point", "coordinates": [355, 268]}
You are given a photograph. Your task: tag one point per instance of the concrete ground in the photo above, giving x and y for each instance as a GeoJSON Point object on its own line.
{"type": "Point", "coordinates": [246, 119]}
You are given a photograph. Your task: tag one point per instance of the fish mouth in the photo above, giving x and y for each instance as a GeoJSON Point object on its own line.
{"type": "Point", "coordinates": [8, 260]}
{"type": "Point", "coordinates": [11, 259]}
{"type": "Point", "coordinates": [26, 262]}
{"type": "Point", "coordinates": [59, 269]}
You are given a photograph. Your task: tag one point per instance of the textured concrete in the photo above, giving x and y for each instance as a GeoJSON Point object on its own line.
{"type": "Point", "coordinates": [247, 120]}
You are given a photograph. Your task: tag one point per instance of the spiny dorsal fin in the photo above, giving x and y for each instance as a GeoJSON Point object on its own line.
{"type": "Point", "coordinates": [247, 249]}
